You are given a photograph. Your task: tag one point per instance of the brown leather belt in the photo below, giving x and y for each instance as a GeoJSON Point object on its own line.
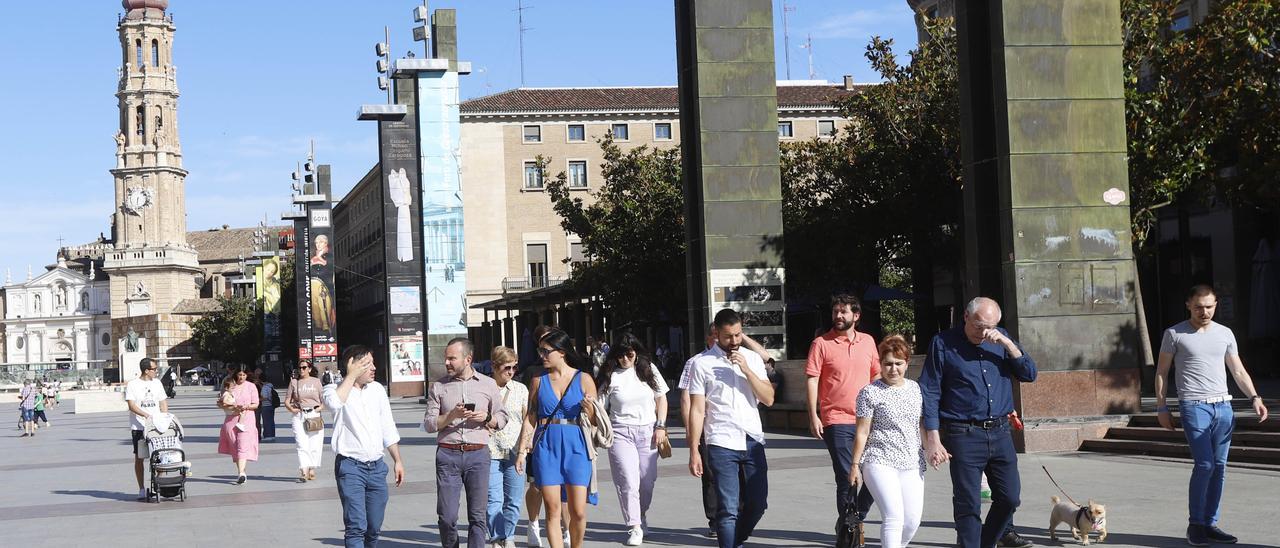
{"type": "Point", "coordinates": [463, 446]}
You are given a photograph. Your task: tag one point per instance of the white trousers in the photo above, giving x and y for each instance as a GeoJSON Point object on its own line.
{"type": "Point", "coordinates": [310, 444]}
{"type": "Point", "coordinates": [900, 497]}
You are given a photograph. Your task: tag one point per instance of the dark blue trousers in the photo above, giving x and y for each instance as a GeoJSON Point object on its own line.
{"type": "Point", "coordinates": [839, 439]}
{"type": "Point", "coordinates": [742, 483]}
{"type": "Point", "coordinates": [975, 450]}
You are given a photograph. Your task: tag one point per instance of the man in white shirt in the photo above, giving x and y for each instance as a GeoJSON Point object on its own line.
{"type": "Point", "coordinates": [362, 428]}
{"type": "Point", "coordinates": [725, 387]}
{"type": "Point", "coordinates": [145, 397]}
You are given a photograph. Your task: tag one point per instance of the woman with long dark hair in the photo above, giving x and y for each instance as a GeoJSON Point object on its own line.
{"type": "Point", "coordinates": [551, 433]}
{"type": "Point", "coordinates": [635, 394]}
{"type": "Point", "coordinates": [304, 401]}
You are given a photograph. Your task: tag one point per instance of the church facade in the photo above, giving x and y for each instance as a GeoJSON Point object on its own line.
{"type": "Point", "coordinates": [59, 316]}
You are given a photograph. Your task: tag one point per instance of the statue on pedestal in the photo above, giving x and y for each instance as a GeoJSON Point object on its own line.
{"type": "Point", "coordinates": [130, 341]}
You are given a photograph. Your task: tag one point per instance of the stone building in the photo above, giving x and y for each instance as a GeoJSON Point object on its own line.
{"type": "Point", "coordinates": [59, 316]}
{"type": "Point", "coordinates": [514, 242]}
{"type": "Point", "coordinates": [152, 268]}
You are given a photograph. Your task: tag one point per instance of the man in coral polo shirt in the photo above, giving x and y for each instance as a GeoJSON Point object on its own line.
{"type": "Point", "coordinates": [841, 362]}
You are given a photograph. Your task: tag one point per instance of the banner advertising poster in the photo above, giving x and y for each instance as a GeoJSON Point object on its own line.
{"type": "Point", "coordinates": [445, 266]}
{"type": "Point", "coordinates": [322, 314]}
{"type": "Point", "coordinates": [402, 219]}
{"type": "Point", "coordinates": [407, 362]}
{"type": "Point", "coordinates": [268, 289]}
{"type": "Point", "coordinates": [302, 289]}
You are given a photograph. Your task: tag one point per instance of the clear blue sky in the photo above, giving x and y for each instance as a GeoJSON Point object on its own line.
{"type": "Point", "coordinates": [258, 79]}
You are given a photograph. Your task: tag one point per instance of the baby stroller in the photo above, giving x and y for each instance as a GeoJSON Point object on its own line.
{"type": "Point", "coordinates": [168, 462]}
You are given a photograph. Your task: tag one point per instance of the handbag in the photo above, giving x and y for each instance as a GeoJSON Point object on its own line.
{"type": "Point", "coordinates": [664, 448]}
{"type": "Point", "coordinates": [851, 533]}
{"type": "Point", "coordinates": [312, 421]}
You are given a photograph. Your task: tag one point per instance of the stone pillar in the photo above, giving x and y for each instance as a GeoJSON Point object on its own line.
{"type": "Point", "coordinates": [732, 179]}
{"type": "Point", "coordinates": [1047, 210]}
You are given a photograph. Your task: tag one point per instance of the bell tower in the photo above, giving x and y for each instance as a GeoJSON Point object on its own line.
{"type": "Point", "coordinates": [152, 268]}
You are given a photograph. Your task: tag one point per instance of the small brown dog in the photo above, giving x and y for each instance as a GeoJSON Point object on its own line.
{"type": "Point", "coordinates": [1082, 520]}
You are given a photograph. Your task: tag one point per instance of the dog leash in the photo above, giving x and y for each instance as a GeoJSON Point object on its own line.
{"type": "Point", "coordinates": [1060, 490]}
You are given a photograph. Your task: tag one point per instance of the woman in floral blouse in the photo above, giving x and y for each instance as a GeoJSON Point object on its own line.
{"type": "Point", "coordinates": [506, 485]}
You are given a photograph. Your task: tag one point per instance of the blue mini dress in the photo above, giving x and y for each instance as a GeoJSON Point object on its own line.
{"type": "Point", "coordinates": [560, 454]}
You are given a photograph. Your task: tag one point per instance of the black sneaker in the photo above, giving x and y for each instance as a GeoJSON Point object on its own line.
{"type": "Point", "coordinates": [240, 480]}
{"type": "Point", "coordinates": [1013, 540]}
{"type": "Point", "coordinates": [1218, 536]}
{"type": "Point", "coordinates": [1196, 535]}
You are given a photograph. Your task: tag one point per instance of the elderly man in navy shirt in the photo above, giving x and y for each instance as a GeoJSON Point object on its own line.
{"type": "Point", "coordinates": [967, 383]}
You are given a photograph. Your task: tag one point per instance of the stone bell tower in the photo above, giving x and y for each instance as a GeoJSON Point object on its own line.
{"type": "Point", "coordinates": [152, 268]}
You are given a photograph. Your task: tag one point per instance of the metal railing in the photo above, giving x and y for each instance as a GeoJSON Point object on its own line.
{"type": "Point", "coordinates": [523, 283]}
{"type": "Point", "coordinates": [70, 373]}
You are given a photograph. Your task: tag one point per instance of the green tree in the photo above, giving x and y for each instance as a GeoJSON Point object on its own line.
{"type": "Point", "coordinates": [1201, 105]}
{"type": "Point", "coordinates": [632, 233]}
{"type": "Point", "coordinates": [888, 187]}
{"type": "Point", "coordinates": [232, 334]}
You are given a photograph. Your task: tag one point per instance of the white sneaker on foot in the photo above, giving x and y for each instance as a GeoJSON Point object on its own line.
{"type": "Point", "coordinates": [510, 543]}
{"type": "Point", "coordinates": [566, 538]}
{"type": "Point", "coordinates": [535, 535]}
{"type": "Point", "coordinates": [635, 537]}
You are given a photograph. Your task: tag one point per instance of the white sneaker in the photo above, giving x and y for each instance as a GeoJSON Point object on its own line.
{"type": "Point", "coordinates": [636, 537]}
{"type": "Point", "coordinates": [566, 538]}
{"type": "Point", "coordinates": [535, 535]}
{"type": "Point", "coordinates": [510, 543]}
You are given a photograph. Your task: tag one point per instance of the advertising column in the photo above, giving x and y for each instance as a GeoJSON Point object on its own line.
{"type": "Point", "coordinates": [445, 266]}
{"type": "Point", "coordinates": [321, 312]}
{"type": "Point", "coordinates": [402, 208]}
{"type": "Point", "coordinates": [301, 258]}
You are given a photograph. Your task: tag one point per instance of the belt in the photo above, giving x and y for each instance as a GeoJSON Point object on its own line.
{"type": "Point", "coordinates": [463, 446]}
{"type": "Point", "coordinates": [1218, 399]}
{"type": "Point", "coordinates": [986, 424]}
{"type": "Point", "coordinates": [557, 421]}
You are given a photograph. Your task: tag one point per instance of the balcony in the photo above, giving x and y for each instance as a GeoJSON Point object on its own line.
{"type": "Point", "coordinates": [519, 284]}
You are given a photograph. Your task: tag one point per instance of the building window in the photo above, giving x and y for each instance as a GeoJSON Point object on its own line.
{"type": "Point", "coordinates": [621, 132]}
{"type": "Point", "coordinates": [137, 53]}
{"type": "Point", "coordinates": [577, 257]}
{"type": "Point", "coordinates": [577, 174]}
{"type": "Point", "coordinates": [537, 257]}
{"type": "Point", "coordinates": [22, 341]}
{"type": "Point", "coordinates": [532, 176]}
{"type": "Point", "coordinates": [784, 130]}
{"type": "Point", "coordinates": [577, 133]}
{"type": "Point", "coordinates": [533, 134]}
{"type": "Point", "coordinates": [106, 338]}
{"type": "Point", "coordinates": [826, 128]}
{"type": "Point", "coordinates": [155, 53]}
{"type": "Point", "coordinates": [662, 131]}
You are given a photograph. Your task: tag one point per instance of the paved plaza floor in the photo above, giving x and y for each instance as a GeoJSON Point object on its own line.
{"type": "Point", "coordinates": [72, 485]}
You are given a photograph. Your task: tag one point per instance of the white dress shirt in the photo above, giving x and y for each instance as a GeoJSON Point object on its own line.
{"type": "Point", "coordinates": [362, 426]}
{"type": "Point", "coordinates": [732, 414]}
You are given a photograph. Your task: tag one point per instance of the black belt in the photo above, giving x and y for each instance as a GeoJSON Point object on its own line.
{"type": "Point", "coordinates": [985, 424]}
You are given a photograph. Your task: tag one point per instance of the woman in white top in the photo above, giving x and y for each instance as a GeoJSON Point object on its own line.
{"type": "Point", "coordinates": [887, 452]}
{"type": "Point", "coordinates": [506, 484]}
{"type": "Point", "coordinates": [635, 395]}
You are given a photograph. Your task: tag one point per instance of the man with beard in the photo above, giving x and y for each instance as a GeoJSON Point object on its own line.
{"type": "Point", "coordinates": [725, 386]}
{"type": "Point", "coordinates": [841, 362]}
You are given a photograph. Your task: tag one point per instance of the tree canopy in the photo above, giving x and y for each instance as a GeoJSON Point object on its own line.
{"type": "Point", "coordinates": [232, 334]}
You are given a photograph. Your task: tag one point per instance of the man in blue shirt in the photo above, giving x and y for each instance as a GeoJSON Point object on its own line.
{"type": "Point", "coordinates": [967, 384]}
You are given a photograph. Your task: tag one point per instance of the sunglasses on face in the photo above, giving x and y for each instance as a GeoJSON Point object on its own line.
{"type": "Point", "coordinates": [506, 367]}
{"type": "Point", "coordinates": [544, 352]}
{"type": "Point", "coordinates": [304, 367]}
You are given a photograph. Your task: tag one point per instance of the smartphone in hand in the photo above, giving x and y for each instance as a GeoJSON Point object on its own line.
{"type": "Point", "coordinates": [469, 406]}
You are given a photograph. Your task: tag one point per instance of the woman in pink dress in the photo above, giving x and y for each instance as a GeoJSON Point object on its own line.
{"type": "Point", "coordinates": [239, 436]}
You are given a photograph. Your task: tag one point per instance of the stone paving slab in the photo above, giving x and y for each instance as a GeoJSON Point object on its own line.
{"type": "Point", "coordinates": [72, 485]}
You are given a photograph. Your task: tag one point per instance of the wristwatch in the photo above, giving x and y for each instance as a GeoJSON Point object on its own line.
{"type": "Point", "coordinates": [660, 425]}
{"type": "Point", "coordinates": [1255, 397]}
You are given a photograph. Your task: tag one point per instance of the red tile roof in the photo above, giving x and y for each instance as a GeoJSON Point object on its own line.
{"type": "Point", "coordinates": [633, 99]}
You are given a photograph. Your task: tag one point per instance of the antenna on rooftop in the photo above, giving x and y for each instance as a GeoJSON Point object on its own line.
{"type": "Point", "coordinates": [786, 36]}
{"type": "Point", "coordinates": [520, 7]}
{"type": "Point", "coordinates": [808, 45]}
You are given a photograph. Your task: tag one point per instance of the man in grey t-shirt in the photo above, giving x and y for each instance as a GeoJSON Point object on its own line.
{"type": "Point", "coordinates": [1203, 352]}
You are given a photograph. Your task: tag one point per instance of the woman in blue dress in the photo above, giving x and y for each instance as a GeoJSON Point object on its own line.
{"type": "Point", "coordinates": [551, 433]}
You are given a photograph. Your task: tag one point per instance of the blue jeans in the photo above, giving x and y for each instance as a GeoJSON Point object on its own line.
{"type": "Point", "coordinates": [268, 416]}
{"type": "Point", "coordinates": [1208, 429]}
{"type": "Point", "coordinates": [506, 494]}
{"type": "Point", "coordinates": [362, 486]}
{"type": "Point", "coordinates": [742, 500]}
{"type": "Point", "coordinates": [839, 439]}
{"type": "Point", "coordinates": [975, 451]}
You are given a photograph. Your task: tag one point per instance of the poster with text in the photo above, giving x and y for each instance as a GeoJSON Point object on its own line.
{"type": "Point", "coordinates": [407, 361]}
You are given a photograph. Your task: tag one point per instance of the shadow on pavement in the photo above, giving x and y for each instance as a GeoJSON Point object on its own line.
{"type": "Point", "coordinates": [109, 495]}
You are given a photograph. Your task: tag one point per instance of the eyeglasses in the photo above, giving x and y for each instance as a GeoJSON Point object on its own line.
{"type": "Point", "coordinates": [505, 367]}
{"type": "Point", "coordinates": [304, 367]}
{"type": "Point", "coordinates": [150, 369]}
{"type": "Point", "coordinates": [544, 351]}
